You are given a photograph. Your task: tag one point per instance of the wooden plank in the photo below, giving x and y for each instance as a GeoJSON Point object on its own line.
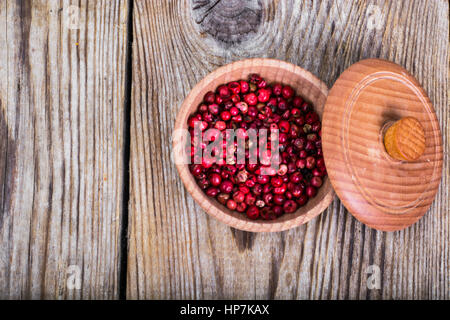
{"type": "Point", "coordinates": [177, 251]}
{"type": "Point", "coordinates": [61, 147]}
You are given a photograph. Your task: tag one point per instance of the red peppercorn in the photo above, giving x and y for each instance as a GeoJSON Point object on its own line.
{"type": "Point", "coordinates": [226, 186]}
{"type": "Point", "coordinates": [203, 183]}
{"type": "Point", "coordinates": [228, 104]}
{"type": "Point", "coordinates": [296, 113]}
{"type": "Point", "coordinates": [252, 111]}
{"type": "Point", "coordinates": [282, 170]}
{"type": "Point", "coordinates": [244, 189]}
{"type": "Point", "coordinates": [282, 104]}
{"type": "Point", "coordinates": [276, 181]}
{"type": "Point", "coordinates": [262, 83]}
{"type": "Point", "coordinates": [305, 107]}
{"type": "Point", "coordinates": [296, 177]}
{"type": "Point", "coordinates": [215, 179]}
{"type": "Point", "coordinates": [302, 200]}
{"type": "Point", "coordinates": [297, 191]}
{"type": "Point", "coordinates": [207, 162]}
{"type": "Point", "coordinates": [237, 118]}
{"type": "Point", "coordinates": [244, 86]}
{"type": "Point", "coordinates": [192, 121]}
{"type": "Point", "coordinates": [196, 170]}
{"type": "Point", "coordinates": [231, 204]}
{"type": "Point", "coordinates": [242, 106]}
{"type": "Point", "coordinates": [255, 78]}
{"type": "Point", "coordinates": [284, 126]}
{"type": "Point", "coordinates": [272, 102]}
{"type": "Point", "coordinates": [297, 102]}
{"type": "Point", "coordinates": [316, 126]}
{"type": "Point", "coordinates": [312, 137]}
{"type": "Point", "coordinates": [299, 143]}
{"type": "Point", "coordinates": [251, 181]}
{"type": "Point", "coordinates": [267, 214]}
{"type": "Point", "coordinates": [209, 97]}
{"type": "Point", "coordinates": [225, 115]}
{"type": "Point", "coordinates": [253, 212]}
{"type": "Point", "coordinates": [316, 182]}
{"type": "Point", "coordinates": [241, 206]}
{"type": "Point", "coordinates": [213, 109]}
{"type": "Point", "coordinates": [300, 120]}
{"type": "Point", "coordinates": [287, 92]}
{"type": "Point", "coordinates": [280, 190]}
{"type": "Point", "coordinates": [311, 191]}
{"type": "Point", "coordinates": [234, 111]}
{"type": "Point", "coordinates": [316, 172]}
{"type": "Point", "coordinates": [310, 146]}
{"type": "Point", "coordinates": [224, 92]}
{"type": "Point", "coordinates": [223, 198]}
{"type": "Point", "coordinates": [289, 206]}
{"type": "Point", "coordinates": [311, 117]}
{"type": "Point", "coordinates": [263, 95]}
{"type": "Point", "coordinates": [262, 179]}
{"type": "Point", "coordinates": [220, 125]}
{"type": "Point", "coordinates": [257, 189]}
{"type": "Point", "coordinates": [277, 210]}
{"type": "Point", "coordinates": [282, 138]}
{"type": "Point", "coordinates": [212, 192]}
{"type": "Point", "coordinates": [235, 87]}
{"type": "Point", "coordinates": [294, 131]}
{"type": "Point", "coordinates": [277, 89]}
{"type": "Point", "coordinates": [302, 154]}
{"type": "Point", "coordinates": [319, 152]}
{"type": "Point", "coordinates": [250, 199]}
{"type": "Point", "coordinates": [286, 115]}
{"type": "Point", "coordinates": [218, 100]}
{"type": "Point", "coordinates": [301, 163]}
{"type": "Point", "coordinates": [320, 163]}
{"type": "Point", "coordinates": [235, 98]}
{"type": "Point", "coordinates": [238, 196]}
{"type": "Point", "coordinates": [310, 162]}
{"type": "Point", "coordinates": [267, 198]}
{"type": "Point", "coordinates": [251, 99]}
{"type": "Point", "coordinates": [278, 199]}
{"type": "Point", "coordinates": [267, 188]}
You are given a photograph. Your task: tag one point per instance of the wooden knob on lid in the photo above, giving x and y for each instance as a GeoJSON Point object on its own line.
{"type": "Point", "coordinates": [405, 139]}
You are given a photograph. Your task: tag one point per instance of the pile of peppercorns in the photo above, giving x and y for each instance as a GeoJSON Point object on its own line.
{"type": "Point", "coordinates": [254, 104]}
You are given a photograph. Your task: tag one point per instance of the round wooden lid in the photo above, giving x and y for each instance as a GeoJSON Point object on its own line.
{"type": "Point", "coordinates": [382, 145]}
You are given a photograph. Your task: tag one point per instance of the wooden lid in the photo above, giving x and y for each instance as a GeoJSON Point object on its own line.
{"type": "Point", "coordinates": [382, 145]}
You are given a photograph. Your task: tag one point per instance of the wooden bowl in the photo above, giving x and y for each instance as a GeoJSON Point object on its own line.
{"type": "Point", "coordinates": [306, 85]}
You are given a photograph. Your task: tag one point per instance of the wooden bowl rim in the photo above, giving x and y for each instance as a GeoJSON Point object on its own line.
{"type": "Point", "coordinates": [214, 208]}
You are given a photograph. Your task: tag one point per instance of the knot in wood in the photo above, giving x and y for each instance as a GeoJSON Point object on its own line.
{"type": "Point", "coordinates": [228, 21]}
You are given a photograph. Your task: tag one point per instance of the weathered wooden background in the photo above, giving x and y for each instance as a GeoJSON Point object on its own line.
{"type": "Point", "coordinates": [76, 145]}
{"type": "Point", "coordinates": [62, 136]}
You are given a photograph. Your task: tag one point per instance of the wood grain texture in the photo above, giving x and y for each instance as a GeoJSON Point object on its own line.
{"type": "Point", "coordinates": [61, 147]}
{"type": "Point", "coordinates": [178, 251]}
{"type": "Point", "coordinates": [306, 85]}
{"type": "Point", "coordinates": [381, 192]}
